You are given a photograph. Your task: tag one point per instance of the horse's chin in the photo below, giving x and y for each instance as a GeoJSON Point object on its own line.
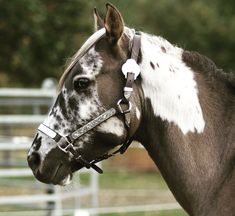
{"type": "Point", "coordinates": [75, 166]}
{"type": "Point", "coordinates": [59, 175]}
{"type": "Point", "coordinates": [66, 181]}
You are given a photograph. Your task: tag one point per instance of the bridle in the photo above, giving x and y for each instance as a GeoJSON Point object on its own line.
{"type": "Point", "coordinates": [131, 71]}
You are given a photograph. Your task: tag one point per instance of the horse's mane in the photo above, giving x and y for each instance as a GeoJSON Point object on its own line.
{"type": "Point", "coordinates": [206, 65]}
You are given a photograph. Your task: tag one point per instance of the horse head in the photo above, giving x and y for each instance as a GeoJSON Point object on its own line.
{"type": "Point", "coordinates": [91, 85]}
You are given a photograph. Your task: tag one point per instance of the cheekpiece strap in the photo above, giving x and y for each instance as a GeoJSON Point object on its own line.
{"type": "Point", "coordinates": [131, 69]}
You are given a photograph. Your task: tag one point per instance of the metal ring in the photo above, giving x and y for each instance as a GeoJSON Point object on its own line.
{"type": "Point", "coordinates": [66, 148]}
{"type": "Point", "coordinates": [120, 107]}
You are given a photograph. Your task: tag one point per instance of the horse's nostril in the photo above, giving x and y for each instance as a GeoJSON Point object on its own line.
{"type": "Point", "coordinates": [34, 160]}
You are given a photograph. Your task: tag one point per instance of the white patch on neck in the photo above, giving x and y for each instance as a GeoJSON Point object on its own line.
{"type": "Point", "coordinates": [170, 84]}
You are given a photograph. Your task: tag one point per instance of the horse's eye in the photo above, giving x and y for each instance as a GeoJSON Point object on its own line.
{"type": "Point", "coordinates": [81, 83]}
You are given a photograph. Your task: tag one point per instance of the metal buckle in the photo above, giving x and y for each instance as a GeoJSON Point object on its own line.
{"type": "Point", "coordinates": [65, 149]}
{"type": "Point", "coordinates": [119, 105]}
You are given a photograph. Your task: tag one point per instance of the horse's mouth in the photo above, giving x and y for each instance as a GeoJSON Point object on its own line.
{"type": "Point", "coordinates": [64, 174]}
{"type": "Point", "coordinates": [60, 175]}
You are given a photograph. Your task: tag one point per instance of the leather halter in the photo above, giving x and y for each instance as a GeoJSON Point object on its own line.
{"type": "Point", "coordinates": [131, 71]}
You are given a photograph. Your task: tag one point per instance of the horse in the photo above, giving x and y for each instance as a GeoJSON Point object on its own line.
{"type": "Point", "coordinates": [124, 85]}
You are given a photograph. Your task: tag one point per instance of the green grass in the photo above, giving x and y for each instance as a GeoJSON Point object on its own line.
{"type": "Point", "coordinates": [132, 180]}
{"type": "Point", "coordinates": [128, 180]}
{"type": "Point", "coordinates": [111, 181]}
{"type": "Point", "coordinates": [135, 180]}
{"type": "Point", "coordinates": [160, 213]}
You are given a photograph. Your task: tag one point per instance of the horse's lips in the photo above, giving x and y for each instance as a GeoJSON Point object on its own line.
{"type": "Point", "coordinates": [61, 175]}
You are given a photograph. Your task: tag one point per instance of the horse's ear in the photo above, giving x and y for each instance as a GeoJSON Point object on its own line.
{"type": "Point", "coordinates": [99, 22]}
{"type": "Point", "coordinates": [114, 24]}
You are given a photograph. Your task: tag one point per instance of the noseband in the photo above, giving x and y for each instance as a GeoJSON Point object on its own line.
{"type": "Point", "coordinates": [131, 71]}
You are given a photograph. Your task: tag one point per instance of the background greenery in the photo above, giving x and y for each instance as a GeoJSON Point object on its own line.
{"type": "Point", "coordinates": [38, 36]}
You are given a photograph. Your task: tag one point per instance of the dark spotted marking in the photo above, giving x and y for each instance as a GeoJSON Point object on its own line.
{"type": "Point", "coordinates": [38, 143]}
{"type": "Point", "coordinates": [66, 131]}
{"type": "Point", "coordinates": [59, 119]}
{"type": "Point", "coordinates": [56, 127]}
{"type": "Point", "coordinates": [152, 65]}
{"type": "Point", "coordinates": [157, 65]}
{"type": "Point", "coordinates": [163, 49]}
{"type": "Point", "coordinates": [90, 59]}
{"type": "Point", "coordinates": [62, 105]}
{"type": "Point", "coordinates": [54, 111]}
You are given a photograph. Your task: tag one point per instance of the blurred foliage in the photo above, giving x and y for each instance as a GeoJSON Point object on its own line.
{"type": "Point", "coordinates": [38, 36]}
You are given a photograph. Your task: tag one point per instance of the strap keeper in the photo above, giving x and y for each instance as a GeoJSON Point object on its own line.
{"type": "Point", "coordinates": [128, 89]}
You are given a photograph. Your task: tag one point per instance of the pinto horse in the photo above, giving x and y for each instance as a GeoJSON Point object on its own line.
{"type": "Point", "coordinates": [124, 85]}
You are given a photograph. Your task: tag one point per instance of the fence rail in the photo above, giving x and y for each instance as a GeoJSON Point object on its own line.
{"type": "Point", "coordinates": [21, 119]}
{"type": "Point", "coordinates": [37, 99]}
{"type": "Point", "coordinates": [27, 93]}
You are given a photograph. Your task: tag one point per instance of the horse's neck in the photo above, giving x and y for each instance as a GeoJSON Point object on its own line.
{"type": "Point", "coordinates": [182, 140]}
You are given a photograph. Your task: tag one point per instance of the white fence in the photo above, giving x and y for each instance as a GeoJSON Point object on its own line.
{"type": "Point", "coordinates": [26, 108]}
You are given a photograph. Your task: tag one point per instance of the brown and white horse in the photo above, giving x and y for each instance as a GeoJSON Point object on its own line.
{"type": "Point", "coordinates": [182, 112]}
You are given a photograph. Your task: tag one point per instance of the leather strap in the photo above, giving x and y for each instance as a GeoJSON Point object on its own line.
{"type": "Point", "coordinates": [136, 46]}
{"type": "Point", "coordinates": [131, 76]}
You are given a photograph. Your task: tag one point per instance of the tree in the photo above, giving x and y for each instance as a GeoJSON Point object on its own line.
{"type": "Point", "coordinates": [37, 37]}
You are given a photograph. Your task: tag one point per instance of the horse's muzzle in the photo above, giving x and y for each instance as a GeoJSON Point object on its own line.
{"type": "Point", "coordinates": [50, 170]}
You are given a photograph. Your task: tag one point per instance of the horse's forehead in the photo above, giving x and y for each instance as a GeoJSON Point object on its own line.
{"type": "Point", "coordinates": [91, 63]}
